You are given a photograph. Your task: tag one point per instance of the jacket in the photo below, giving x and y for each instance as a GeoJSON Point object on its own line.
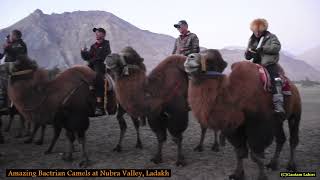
{"type": "Point", "coordinates": [269, 50]}
{"type": "Point", "coordinates": [186, 44]}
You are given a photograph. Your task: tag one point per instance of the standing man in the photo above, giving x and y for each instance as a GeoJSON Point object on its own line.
{"type": "Point", "coordinates": [264, 48]}
{"type": "Point", "coordinates": [187, 42]}
{"type": "Point", "coordinates": [95, 58]}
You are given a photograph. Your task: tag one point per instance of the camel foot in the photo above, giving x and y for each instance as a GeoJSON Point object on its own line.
{"type": "Point", "coordinates": [273, 165]}
{"type": "Point", "coordinates": [117, 148]}
{"type": "Point", "coordinates": [157, 159]}
{"type": "Point", "coordinates": [84, 163]}
{"type": "Point", "coordinates": [18, 135]}
{"type": "Point", "coordinates": [139, 145]}
{"type": "Point", "coordinates": [28, 141]}
{"type": "Point", "coordinates": [181, 162]}
{"type": "Point", "coordinates": [39, 142]}
{"type": "Point", "coordinates": [215, 147]}
{"type": "Point", "coordinates": [237, 176]}
{"type": "Point", "coordinates": [199, 148]}
{"type": "Point", "coordinates": [292, 166]}
{"type": "Point", "coordinates": [67, 157]}
{"type": "Point", "coordinates": [27, 134]}
{"type": "Point", "coordinates": [47, 152]}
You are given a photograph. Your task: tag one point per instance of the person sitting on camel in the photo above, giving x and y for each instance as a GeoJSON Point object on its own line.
{"type": "Point", "coordinates": [264, 48]}
{"type": "Point", "coordinates": [95, 58]}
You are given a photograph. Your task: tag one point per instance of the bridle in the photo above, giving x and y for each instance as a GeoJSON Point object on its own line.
{"type": "Point", "coordinates": [204, 69]}
{"type": "Point", "coordinates": [125, 66]}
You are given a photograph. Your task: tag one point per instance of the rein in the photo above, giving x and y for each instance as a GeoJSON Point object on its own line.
{"type": "Point", "coordinates": [19, 73]}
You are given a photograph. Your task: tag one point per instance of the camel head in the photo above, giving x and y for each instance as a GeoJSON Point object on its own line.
{"type": "Point", "coordinates": [128, 58]}
{"type": "Point", "coordinates": [207, 60]}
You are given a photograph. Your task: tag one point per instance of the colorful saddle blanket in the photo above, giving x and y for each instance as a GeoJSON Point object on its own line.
{"type": "Point", "coordinates": [265, 78]}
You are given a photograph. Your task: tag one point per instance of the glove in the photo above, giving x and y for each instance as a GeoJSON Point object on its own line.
{"type": "Point", "coordinates": [249, 54]}
{"type": "Point", "coordinates": [259, 50]}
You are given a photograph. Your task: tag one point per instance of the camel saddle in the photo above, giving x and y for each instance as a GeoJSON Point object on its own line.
{"type": "Point", "coordinates": [266, 80]}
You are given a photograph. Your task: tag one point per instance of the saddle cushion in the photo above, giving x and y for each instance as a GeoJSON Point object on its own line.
{"type": "Point", "coordinates": [266, 81]}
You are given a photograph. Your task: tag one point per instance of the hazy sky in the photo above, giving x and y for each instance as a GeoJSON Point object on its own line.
{"type": "Point", "coordinates": [217, 23]}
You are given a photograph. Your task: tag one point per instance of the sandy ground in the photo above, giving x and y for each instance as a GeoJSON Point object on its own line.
{"type": "Point", "coordinates": [104, 132]}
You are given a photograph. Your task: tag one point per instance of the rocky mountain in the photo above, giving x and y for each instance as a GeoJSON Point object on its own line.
{"type": "Point", "coordinates": [56, 40]}
{"type": "Point", "coordinates": [312, 57]}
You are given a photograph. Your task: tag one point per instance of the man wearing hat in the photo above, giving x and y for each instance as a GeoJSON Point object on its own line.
{"type": "Point", "coordinates": [95, 58]}
{"type": "Point", "coordinates": [264, 48]}
{"type": "Point", "coordinates": [187, 42]}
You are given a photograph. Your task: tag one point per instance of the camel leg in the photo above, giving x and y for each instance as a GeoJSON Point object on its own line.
{"type": "Point", "coordinates": [239, 171]}
{"type": "Point", "coordinates": [180, 157]}
{"type": "Point", "coordinates": [1, 136]}
{"type": "Point", "coordinates": [136, 126]}
{"type": "Point", "coordinates": [11, 117]}
{"type": "Point", "coordinates": [123, 128]}
{"type": "Point", "coordinates": [67, 156]}
{"type": "Point", "coordinates": [82, 141]}
{"type": "Point", "coordinates": [239, 142]}
{"type": "Point", "coordinates": [215, 146]}
{"type": "Point", "coordinates": [34, 131]}
{"type": "Point", "coordinates": [222, 139]}
{"type": "Point", "coordinates": [258, 159]}
{"type": "Point", "coordinates": [293, 122]}
{"type": "Point", "coordinates": [161, 136]}
{"type": "Point", "coordinates": [40, 140]}
{"type": "Point", "coordinates": [22, 131]}
{"type": "Point", "coordinates": [56, 135]}
{"type": "Point", "coordinates": [143, 121]}
{"type": "Point", "coordinates": [199, 148]}
{"type": "Point", "coordinates": [280, 140]}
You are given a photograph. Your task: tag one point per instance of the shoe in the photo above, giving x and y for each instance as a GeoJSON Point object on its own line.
{"type": "Point", "coordinates": [278, 104]}
{"type": "Point", "coordinates": [99, 112]}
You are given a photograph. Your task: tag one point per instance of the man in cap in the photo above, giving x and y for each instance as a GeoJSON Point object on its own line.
{"type": "Point", "coordinates": [187, 42]}
{"type": "Point", "coordinates": [95, 58]}
{"type": "Point", "coordinates": [264, 48]}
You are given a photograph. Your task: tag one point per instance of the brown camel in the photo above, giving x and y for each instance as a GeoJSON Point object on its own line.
{"type": "Point", "coordinates": [55, 101]}
{"type": "Point", "coordinates": [238, 105]}
{"type": "Point", "coordinates": [112, 106]}
{"type": "Point", "coordinates": [160, 96]}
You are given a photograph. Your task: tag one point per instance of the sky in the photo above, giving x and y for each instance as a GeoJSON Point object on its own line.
{"type": "Point", "coordinates": [218, 24]}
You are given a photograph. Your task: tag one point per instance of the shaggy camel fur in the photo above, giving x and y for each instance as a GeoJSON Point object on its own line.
{"type": "Point", "coordinates": [238, 105]}
{"type": "Point", "coordinates": [160, 96]}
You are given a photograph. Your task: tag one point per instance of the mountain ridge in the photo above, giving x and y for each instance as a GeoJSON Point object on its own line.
{"type": "Point", "coordinates": [56, 39]}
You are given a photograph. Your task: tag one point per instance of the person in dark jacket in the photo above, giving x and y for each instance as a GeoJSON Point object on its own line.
{"type": "Point", "coordinates": [95, 58]}
{"type": "Point", "coordinates": [14, 47]}
{"type": "Point", "coordinates": [187, 42]}
{"type": "Point", "coordinates": [264, 48]}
